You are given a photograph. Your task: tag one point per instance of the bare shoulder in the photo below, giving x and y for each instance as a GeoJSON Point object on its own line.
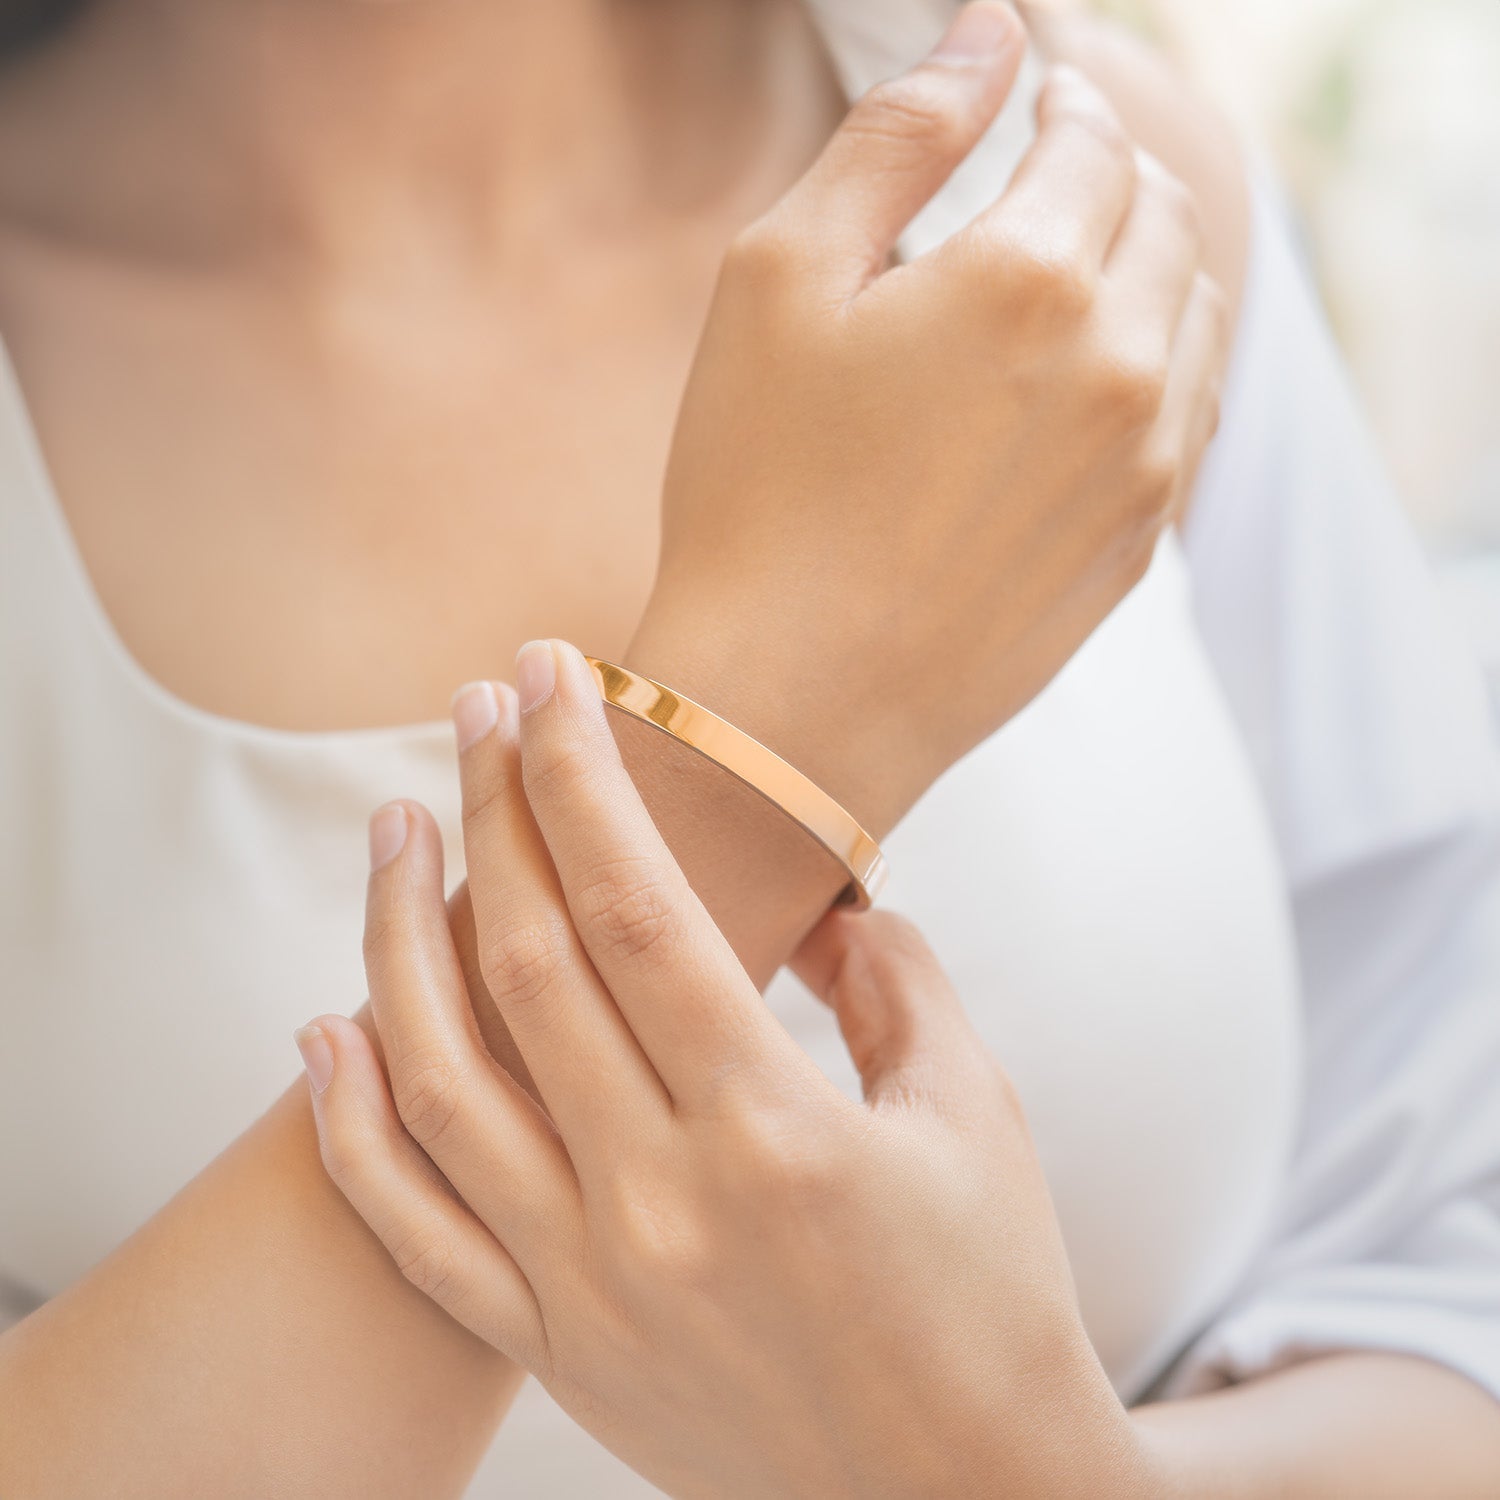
{"type": "Point", "coordinates": [1177, 125]}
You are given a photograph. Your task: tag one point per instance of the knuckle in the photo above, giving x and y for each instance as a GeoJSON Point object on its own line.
{"type": "Point", "coordinates": [345, 1148]}
{"type": "Point", "coordinates": [1151, 498]}
{"type": "Point", "coordinates": [1176, 202]}
{"type": "Point", "coordinates": [626, 909]}
{"type": "Point", "coordinates": [428, 1259]}
{"type": "Point", "coordinates": [1102, 130]}
{"type": "Point", "coordinates": [523, 961]}
{"type": "Point", "coordinates": [487, 784]}
{"type": "Point", "coordinates": [914, 110]}
{"type": "Point", "coordinates": [1183, 206]}
{"type": "Point", "coordinates": [1215, 305]}
{"type": "Point", "coordinates": [760, 259]}
{"type": "Point", "coordinates": [384, 931]}
{"type": "Point", "coordinates": [428, 1095]}
{"type": "Point", "coordinates": [1066, 285]}
{"type": "Point", "coordinates": [781, 1158]}
{"type": "Point", "coordinates": [660, 1241]}
{"type": "Point", "coordinates": [1132, 390]}
{"type": "Point", "coordinates": [555, 767]}
{"type": "Point", "coordinates": [1159, 474]}
{"type": "Point", "coordinates": [1051, 280]}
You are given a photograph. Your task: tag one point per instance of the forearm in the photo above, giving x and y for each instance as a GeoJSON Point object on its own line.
{"type": "Point", "coordinates": [1382, 1427]}
{"type": "Point", "coordinates": [1375, 1426]}
{"type": "Point", "coordinates": [1360, 1424]}
{"type": "Point", "coordinates": [764, 880]}
{"type": "Point", "coordinates": [254, 1337]}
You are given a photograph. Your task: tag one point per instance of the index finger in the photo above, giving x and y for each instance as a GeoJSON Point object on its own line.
{"type": "Point", "coordinates": [899, 143]}
{"type": "Point", "coordinates": [674, 976]}
{"type": "Point", "coordinates": [589, 1070]}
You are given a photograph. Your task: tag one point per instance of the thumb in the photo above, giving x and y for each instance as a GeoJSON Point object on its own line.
{"type": "Point", "coordinates": [901, 142]}
{"type": "Point", "coordinates": [906, 1031]}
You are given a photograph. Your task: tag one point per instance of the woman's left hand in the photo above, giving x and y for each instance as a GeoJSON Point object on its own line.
{"type": "Point", "coordinates": [741, 1281]}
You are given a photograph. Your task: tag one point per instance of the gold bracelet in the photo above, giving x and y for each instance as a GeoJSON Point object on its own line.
{"type": "Point", "coordinates": [762, 770]}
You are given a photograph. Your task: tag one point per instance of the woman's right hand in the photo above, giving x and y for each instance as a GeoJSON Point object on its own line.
{"type": "Point", "coordinates": [740, 1281]}
{"type": "Point", "coordinates": [900, 497]}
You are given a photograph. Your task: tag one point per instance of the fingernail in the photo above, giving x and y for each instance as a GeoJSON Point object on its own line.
{"type": "Point", "coordinates": [979, 32]}
{"type": "Point", "coordinates": [317, 1056]}
{"type": "Point", "coordinates": [475, 712]}
{"type": "Point", "coordinates": [387, 834]}
{"type": "Point", "coordinates": [536, 674]}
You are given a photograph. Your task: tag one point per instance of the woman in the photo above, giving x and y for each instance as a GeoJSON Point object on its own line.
{"type": "Point", "coordinates": [310, 293]}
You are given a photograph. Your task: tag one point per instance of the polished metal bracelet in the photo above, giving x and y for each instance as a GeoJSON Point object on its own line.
{"type": "Point", "coordinates": [761, 769]}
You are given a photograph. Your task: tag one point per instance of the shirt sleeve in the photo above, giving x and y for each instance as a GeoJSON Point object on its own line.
{"type": "Point", "coordinates": [1368, 723]}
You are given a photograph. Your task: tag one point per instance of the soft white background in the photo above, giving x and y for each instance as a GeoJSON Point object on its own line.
{"type": "Point", "coordinates": [1384, 119]}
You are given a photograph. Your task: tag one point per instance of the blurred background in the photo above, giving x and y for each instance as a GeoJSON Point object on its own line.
{"type": "Point", "coordinates": [1383, 118]}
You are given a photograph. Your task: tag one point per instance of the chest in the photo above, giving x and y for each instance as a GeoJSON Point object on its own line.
{"type": "Point", "coordinates": [269, 499]}
{"type": "Point", "coordinates": [178, 894]}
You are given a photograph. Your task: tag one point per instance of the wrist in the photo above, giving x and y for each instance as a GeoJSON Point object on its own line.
{"type": "Point", "coordinates": [1146, 1470]}
{"type": "Point", "coordinates": [1177, 1458]}
{"type": "Point", "coordinates": [1085, 1439]}
{"type": "Point", "coordinates": [1051, 1425]}
{"type": "Point", "coordinates": [783, 689]}
{"type": "Point", "coordinates": [1062, 1431]}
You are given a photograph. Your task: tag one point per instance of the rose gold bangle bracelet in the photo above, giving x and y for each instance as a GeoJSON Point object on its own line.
{"type": "Point", "coordinates": [762, 770]}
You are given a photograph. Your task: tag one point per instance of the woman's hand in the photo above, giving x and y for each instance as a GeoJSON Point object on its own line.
{"type": "Point", "coordinates": [903, 496]}
{"type": "Point", "coordinates": [738, 1279]}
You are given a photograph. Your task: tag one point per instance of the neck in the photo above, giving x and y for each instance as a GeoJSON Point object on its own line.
{"type": "Point", "coordinates": [326, 126]}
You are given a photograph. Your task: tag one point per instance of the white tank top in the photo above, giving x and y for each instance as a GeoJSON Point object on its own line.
{"type": "Point", "coordinates": [178, 891]}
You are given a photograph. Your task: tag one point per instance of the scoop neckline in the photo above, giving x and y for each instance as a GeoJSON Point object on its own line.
{"type": "Point", "coordinates": [37, 474]}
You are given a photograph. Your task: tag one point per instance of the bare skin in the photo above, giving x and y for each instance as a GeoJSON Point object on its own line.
{"type": "Point", "coordinates": [315, 327]}
{"type": "Point", "coordinates": [1168, 119]}
{"type": "Point", "coordinates": [247, 375]}
{"type": "Point", "coordinates": [255, 373]}
{"type": "Point", "coordinates": [326, 312]}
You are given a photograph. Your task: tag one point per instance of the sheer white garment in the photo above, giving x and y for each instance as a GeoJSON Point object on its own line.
{"type": "Point", "coordinates": [1272, 757]}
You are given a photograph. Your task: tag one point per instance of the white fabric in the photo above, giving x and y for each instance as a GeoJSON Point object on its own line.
{"type": "Point", "coordinates": [1122, 882]}
{"type": "Point", "coordinates": [1368, 723]}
